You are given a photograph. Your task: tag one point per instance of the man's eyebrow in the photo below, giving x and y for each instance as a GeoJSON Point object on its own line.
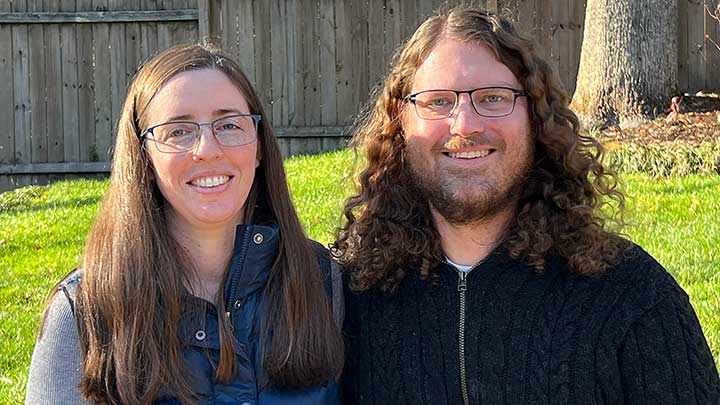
{"type": "Point", "coordinates": [182, 117]}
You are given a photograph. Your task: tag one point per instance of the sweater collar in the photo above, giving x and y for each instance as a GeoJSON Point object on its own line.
{"type": "Point", "coordinates": [254, 254]}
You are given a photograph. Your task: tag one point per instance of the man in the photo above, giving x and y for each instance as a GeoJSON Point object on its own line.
{"type": "Point", "coordinates": [482, 267]}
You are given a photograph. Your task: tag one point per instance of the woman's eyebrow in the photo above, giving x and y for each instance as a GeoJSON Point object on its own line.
{"type": "Point", "coordinates": [216, 113]}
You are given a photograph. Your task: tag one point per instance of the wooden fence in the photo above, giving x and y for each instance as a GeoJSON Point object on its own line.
{"type": "Point", "coordinates": [65, 65]}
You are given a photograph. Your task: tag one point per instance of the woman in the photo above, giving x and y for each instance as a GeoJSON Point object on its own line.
{"type": "Point", "coordinates": [198, 284]}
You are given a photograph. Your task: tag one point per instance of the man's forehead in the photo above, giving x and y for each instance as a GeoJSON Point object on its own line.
{"type": "Point", "coordinates": [459, 65]}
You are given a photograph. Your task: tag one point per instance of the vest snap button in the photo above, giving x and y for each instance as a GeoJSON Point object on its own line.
{"type": "Point", "coordinates": [258, 238]}
{"type": "Point", "coordinates": [238, 304]}
{"type": "Point", "coordinates": [200, 335]}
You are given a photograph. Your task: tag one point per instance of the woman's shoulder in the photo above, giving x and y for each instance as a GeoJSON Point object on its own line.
{"type": "Point", "coordinates": [68, 286]}
{"type": "Point", "coordinates": [56, 367]}
{"type": "Point", "coordinates": [332, 280]}
{"type": "Point", "coordinates": [59, 313]}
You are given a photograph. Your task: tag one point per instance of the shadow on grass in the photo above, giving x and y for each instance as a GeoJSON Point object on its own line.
{"type": "Point", "coordinates": [34, 207]}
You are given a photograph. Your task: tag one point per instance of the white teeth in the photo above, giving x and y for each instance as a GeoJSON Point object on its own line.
{"type": "Point", "coordinates": [210, 181]}
{"type": "Point", "coordinates": [470, 155]}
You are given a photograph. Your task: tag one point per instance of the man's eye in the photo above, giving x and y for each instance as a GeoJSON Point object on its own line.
{"type": "Point", "coordinates": [439, 102]}
{"type": "Point", "coordinates": [178, 132]}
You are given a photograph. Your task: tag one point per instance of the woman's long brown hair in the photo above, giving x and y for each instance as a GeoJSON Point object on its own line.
{"type": "Point", "coordinates": [129, 303]}
{"type": "Point", "coordinates": [570, 203]}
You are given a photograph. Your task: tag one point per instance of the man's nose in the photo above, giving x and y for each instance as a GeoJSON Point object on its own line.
{"type": "Point", "coordinates": [465, 121]}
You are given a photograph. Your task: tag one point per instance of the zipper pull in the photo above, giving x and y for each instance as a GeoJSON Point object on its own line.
{"type": "Point", "coordinates": [462, 281]}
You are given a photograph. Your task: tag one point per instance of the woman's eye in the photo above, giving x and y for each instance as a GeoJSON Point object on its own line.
{"type": "Point", "coordinates": [493, 98]}
{"type": "Point", "coordinates": [227, 126]}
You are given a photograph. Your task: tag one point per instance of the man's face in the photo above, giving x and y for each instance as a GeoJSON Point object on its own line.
{"type": "Point", "coordinates": [468, 167]}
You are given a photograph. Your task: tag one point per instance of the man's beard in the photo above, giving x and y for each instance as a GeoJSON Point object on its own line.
{"type": "Point", "coordinates": [487, 197]}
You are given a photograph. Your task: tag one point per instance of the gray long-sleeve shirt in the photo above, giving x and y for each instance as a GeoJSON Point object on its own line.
{"type": "Point", "coordinates": [56, 365]}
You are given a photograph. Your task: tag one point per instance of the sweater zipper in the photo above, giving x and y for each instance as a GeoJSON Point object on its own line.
{"type": "Point", "coordinates": [236, 277]}
{"type": "Point", "coordinates": [462, 287]}
{"type": "Point", "coordinates": [462, 290]}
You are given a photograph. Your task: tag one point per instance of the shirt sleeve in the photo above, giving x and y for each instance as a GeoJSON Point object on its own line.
{"type": "Point", "coordinates": [56, 365]}
{"type": "Point", "coordinates": [665, 358]}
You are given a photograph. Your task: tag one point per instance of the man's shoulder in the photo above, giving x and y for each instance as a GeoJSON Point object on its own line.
{"type": "Point", "coordinates": [637, 266]}
{"type": "Point", "coordinates": [635, 281]}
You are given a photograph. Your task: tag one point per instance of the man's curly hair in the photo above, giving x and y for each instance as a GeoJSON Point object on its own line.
{"type": "Point", "coordinates": [569, 201]}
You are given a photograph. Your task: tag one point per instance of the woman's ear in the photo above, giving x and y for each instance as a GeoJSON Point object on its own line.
{"type": "Point", "coordinates": [258, 157]}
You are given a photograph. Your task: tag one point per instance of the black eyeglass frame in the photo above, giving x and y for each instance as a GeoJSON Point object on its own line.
{"type": "Point", "coordinates": [256, 121]}
{"type": "Point", "coordinates": [412, 98]}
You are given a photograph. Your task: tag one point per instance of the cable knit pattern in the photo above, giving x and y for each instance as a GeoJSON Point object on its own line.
{"type": "Point", "coordinates": [531, 338]}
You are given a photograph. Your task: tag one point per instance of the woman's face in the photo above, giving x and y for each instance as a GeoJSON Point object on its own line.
{"type": "Point", "coordinates": [207, 186]}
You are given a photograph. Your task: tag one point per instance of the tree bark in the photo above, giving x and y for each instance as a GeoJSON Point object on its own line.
{"type": "Point", "coordinates": [628, 63]}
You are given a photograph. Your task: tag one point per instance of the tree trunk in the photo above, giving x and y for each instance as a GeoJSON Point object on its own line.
{"type": "Point", "coordinates": [628, 63]}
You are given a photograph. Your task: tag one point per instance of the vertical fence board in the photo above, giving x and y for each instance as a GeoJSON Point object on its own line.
{"type": "Point", "coordinates": [376, 41]}
{"type": "Point", "coordinates": [117, 66]}
{"type": "Point", "coordinates": [86, 85]}
{"type": "Point", "coordinates": [7, 115]}
{"type": "Point", "coordinates": [328, 70]}
{"type": "Point", "coordinates": [345, 40]}
{"type": "Point", "coordinates": [53, 82]}
{"type": "Point", "coordinates": [68, 40]}
{"type": "Point", "coordinates": [133, 46]}
{"type": "Point", "coordinates": [281, 71]}
{"type": "Point", "coordinates": [393, 29]}
{"type": "Point", "coordinates": [21, 88]}
{"type": "Point", "coordinates": [712, 73]}
{"type": "Point", "coordinates": [359, 76]}
{"type": "Point", "coordinates": [296, 95]}
{"type": "Point", "coordinates": [38, 106]}
{"type": "Point", "coordinates": [203, 7]}
{"type": "Point", "coordinates": [683, 44]}
{"type": "Point", "coordinates": [185, 31]}
{"type": "Point", "coordinates": [261, 43]}
{"type": "Point", "coordinates": [245, 53]}
{"type": "Point", "coordinates": [291, 70]}
{"type": "Point", "coordinates": [149, 32]}
{"type": "Point", "coordinates": [696, 49]}
{"type": "Point", "coordinates": [229, 36]}
{"type": "Point", "coordinates": [425, 10]}
{"type": "Point", "coordinates": [526, 16]}
{"type": "Point", "coordinates": [102, 87]}
{"type": "Point", "coordinates": [310, 55]}
{"type": "Point", "coordinates": [409, 18]}
{"type": "Point", "coordinates": [164, 31]}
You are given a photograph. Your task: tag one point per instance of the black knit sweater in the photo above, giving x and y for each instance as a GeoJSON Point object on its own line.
{"type": "Point", "coordinates": [549, 338]}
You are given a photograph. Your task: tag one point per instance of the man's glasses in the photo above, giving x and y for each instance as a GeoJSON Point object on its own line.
{"type": "Point", "coordinates": [487, 102]}
{"type": "Point", "coordinates": [182, 136]}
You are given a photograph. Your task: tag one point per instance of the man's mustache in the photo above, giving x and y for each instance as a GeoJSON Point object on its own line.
{"type": "Point", "coordinates": [460, 142]}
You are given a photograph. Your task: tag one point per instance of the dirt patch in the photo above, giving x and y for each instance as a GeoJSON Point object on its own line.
{"type": "Point", "coordinates": [692, 120]}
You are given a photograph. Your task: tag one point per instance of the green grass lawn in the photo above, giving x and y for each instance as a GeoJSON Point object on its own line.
{"type": "Point", "coordinates": [42, 230]}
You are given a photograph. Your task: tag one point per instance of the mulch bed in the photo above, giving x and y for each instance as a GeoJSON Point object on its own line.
{"type": "Point", "coordinates": [696, 122]}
